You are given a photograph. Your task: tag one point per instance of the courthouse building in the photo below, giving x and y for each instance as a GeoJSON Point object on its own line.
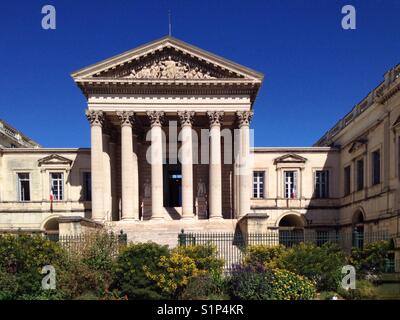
{"type": "Point", "coordinates": [170, 150]}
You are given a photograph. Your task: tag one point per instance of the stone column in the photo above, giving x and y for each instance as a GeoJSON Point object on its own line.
{"type": "Point", "coordinates": [129, 190]}
{"type": "Point", "coordinates": [215, 168]}
{"type": "Point", "coordinates": [156, 155]}
{"type": "Point", "coordinates": [96, 119]}
{"type": "Point", "coordinates": [244, 118]}
{"type": "Point", "coordinates": [186, 120]}
{"type": "Point", "coordinates": [107, 175]}
{"type": "Point", "coordinates": [114, 185]}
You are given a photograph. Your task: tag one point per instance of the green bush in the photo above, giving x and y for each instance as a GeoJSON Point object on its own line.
{"type": "Point", "coordinates": [250, 283]}
{"type": "Point", "coordinates": [259, 283]}
{"type": "Point", "coordinates": [269, 256]}
{"type": "Point", "coordinates": [371, 259]}
{"type": "Point", "coordinates": [128, 272]}
{"type": "Point", "coordinates": [99, 249]}
{"type": "Point", "coordinates": [8, 286]}
{"type": "Point", "coordinates": [321, 264]}
{"type": "Point", "coordinates": [290, 286]}
{"type": "Point", "coordinates": [175, 271]}
{"type": "Point", "coordinates": [204, 257]}
{"type": "Point", "coordinates": [22, 258]}
{"type": "Point", "coordinates": [365, 290]}
{"type": "Point", "coordinates": [211, 286]}
{"type": "Point", "coordinates": [80, 279]}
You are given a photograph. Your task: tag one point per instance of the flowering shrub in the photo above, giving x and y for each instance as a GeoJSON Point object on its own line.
{"type": "Point", "coordinates": [204, 256]}
{"type": "Point", "coordinates": [290, 286]}
{"type": "Point", "coordinates": [321, 264]}
{"type": "Point", "coordinates": [22, 258]}
{"type": "Point", "coordinates": [260, 283]}
{"type": "Point", "coordinates": [129, 276]}
{"type": "Point", "coordinates": [174, 273]}
{"type": "Point", "coordinates": [251, 283]}
{"type": "Point", "coordinates": [269, 256]}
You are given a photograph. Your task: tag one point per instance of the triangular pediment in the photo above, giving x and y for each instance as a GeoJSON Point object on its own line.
{"type": "Point", "coordinates": [167, 59]}
{"type": "Point", "coordinates": [54, 159]}
{"type": "Point", "coordinates": [290, 158]}
{"type": "Point", "coordinates": [357, 144]}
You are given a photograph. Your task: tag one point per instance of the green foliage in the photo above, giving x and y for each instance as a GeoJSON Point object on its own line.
{"type": "Point", "coordinates": [99, 249]}
{"type": "Point", "coordinates": [251, 283]}
{"type": "Point", "coordinates": [22, 258]}
{"type": "Point", "coordinates": [290, 286]}
{"type": "Point", "coordinates": [371, 259]}
{"type": "Point", "coordinates": [321, 264]}
{"type": "Point", "coordinates": [79, 279]}
{"type": "Point", "coordinates": [8, 286]}
{"type": "Point", "coordinates": [259, 283]}
{"type": "Point", "coordinates": [210, 286]}
{"type": "Point", "coordinates": [365, 290]}
{"type": "Point", "coordinates": [204, 257]}
{"type": "Point", "coordinates": [129, 276]}
{"type": "Point", "coordinates": [269, 256]}
{"type": "Point", "coordinates": [174, 273]}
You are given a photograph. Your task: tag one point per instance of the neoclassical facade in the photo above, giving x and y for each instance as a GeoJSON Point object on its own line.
{"type": "Point", "coordinates": [171, 149]}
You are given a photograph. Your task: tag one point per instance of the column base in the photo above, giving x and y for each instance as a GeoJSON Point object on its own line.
{"type": "Point", "coordinates": [188, 217]}
{"type": "Point", "coordinates": [156, 218]}
{"type": "Point", "coordinates": [216, 218]}
{"type": "Point", "coordinates": [129, 219]}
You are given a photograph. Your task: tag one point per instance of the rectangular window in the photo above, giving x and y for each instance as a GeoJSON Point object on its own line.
{"type": "Point", "coordinates": [398, 157]}
{"type": "Point", "coordinates": [322, 184]}
{"type": "Point", "coordinates": [87, 186]}
{"type": "Point", "coordinates": [376, 167]}
{"type": "Point", "coordinates": [258, 184]}
{"type": "Point", "coordinates": [347, 180]}
{"type": "Point", "coordinates": [57, 186]}
{"type": "Point", "coordinates": [290, 184]}
{"type": "Point", "coordinates": [360, 174]}
{"type": "Point", "coordinates": [24, 192]}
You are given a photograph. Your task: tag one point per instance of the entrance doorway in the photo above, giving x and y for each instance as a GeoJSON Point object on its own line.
{"type": "Point", "coordinates": [291, 230]}
{"type": "Point", "coordinates": [173, 183]}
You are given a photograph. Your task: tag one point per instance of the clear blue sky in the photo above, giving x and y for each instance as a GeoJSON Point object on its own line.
{"type": "Point", "coordinates": [314, 70]}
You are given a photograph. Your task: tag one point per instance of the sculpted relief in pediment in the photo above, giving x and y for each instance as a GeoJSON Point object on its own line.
{"type": "Point", "coordinates": [169, 69]}
{"type": "Point", "coordinates": [167, 64]}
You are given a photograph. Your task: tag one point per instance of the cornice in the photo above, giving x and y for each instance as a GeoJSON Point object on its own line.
{"type": "Point", "coordinates": [45, 150]}
{"type": "Point", "coordinates": [378, 96]}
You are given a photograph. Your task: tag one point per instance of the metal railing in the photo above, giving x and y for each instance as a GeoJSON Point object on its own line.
{"type": "Point", "coordinates": [77, 243]}
{"type": "Point", "coordinates": [231, 247]}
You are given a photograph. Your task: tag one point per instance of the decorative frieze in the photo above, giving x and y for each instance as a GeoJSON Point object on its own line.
{"type": "Point", "coordinates": [244, 117]}
{"type": "Point", "coordinates": [156, 117]}
{"type": "Point", "coordinates": [126, 118]}
{"type": "Point", "coordinates": [186, 117]}
{"type": "Point", "coordinates": [169, 69]}
{"type": "Point", "coordinates": [95, 117]}
{"type": "Point", "coordinates": [215, 117]}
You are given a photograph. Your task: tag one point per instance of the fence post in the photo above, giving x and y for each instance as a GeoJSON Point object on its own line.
{"type": "Point", "coordinates": [182, 238]}
{"type": "Point", "coordinates": [122, 237]}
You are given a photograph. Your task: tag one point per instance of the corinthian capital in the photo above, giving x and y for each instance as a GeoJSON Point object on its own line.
{"type": "Point", "coordinates": [186, 117]}
{"type": "Point", "coordinates": [215, 117]}
{"type": "Point", "coordinates": [244, 117]}
{"type": "Point", "coordinates": [126, 118]}
{"type": "Point", "coordinates": [156, 117]}
{"type": "Point", "coordinates": [96, 118]}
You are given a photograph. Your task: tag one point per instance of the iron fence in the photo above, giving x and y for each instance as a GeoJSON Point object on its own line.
{"type": "Point", "coordinates": [77, 243]}
{"type": "Point", "coordinates": [231, 247]}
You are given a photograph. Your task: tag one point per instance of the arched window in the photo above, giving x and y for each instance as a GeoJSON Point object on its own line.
{"type": "Point", "coordinates": [358, 229]}
{"type": "Point", "coordinates": [291, 230]}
